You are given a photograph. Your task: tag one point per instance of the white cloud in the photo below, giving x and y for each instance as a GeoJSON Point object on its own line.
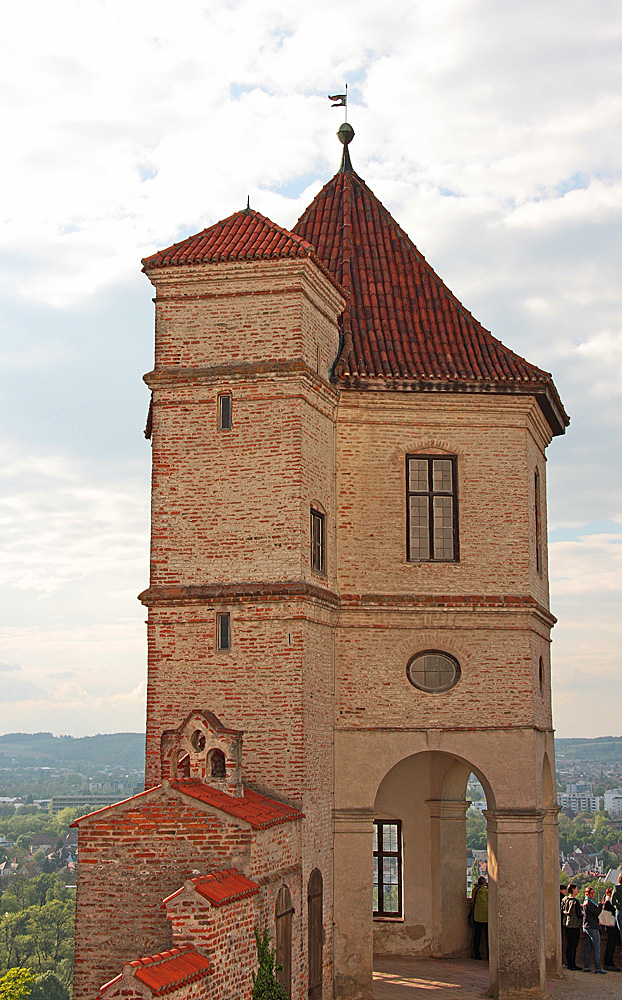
{"type": "Point", "coordinates": [491, 131]}
{"type": "Point", "coordinates": [591, 564]}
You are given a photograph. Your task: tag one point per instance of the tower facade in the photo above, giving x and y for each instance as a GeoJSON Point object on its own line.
{"type": "Point", "coordinates": [348, 615]}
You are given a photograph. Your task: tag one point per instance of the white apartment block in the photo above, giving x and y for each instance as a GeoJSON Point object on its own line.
{"type": "Point", "coordinates": [613, 803]}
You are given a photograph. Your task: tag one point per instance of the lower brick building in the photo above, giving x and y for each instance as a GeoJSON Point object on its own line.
{"type": "Point", "coordinates": [348, 614]}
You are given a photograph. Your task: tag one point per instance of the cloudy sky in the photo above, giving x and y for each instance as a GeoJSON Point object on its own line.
{"type": "Point", "coordinates": [492, 132]}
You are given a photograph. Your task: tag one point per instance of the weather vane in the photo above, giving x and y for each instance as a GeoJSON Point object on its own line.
{"type": "Point", "coordinates": [341, 101]}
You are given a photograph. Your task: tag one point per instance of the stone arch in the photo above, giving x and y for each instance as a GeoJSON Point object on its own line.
{"type": "Point", "coordinates": [426, 792]}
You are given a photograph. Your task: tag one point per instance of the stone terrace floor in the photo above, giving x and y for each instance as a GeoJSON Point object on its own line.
{"type": "Point", "coordinates": [434, 979]}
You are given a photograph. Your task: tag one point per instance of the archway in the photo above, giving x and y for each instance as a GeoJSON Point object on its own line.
{"type": "Point", "coordinates": [419, 850]}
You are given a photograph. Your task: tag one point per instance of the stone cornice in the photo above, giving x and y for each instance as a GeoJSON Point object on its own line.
{"type": "Point", "coordinates": [540, 390]}
{"type": "Point", "coordinates": [224, 593]}
{"type": "Point", "coordinates": [234, 593]}
{"type": "Point", "coordinates": [173, 376]}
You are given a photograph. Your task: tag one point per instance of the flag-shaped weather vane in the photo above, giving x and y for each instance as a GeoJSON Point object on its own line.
{"type": "Point", "coordinates": [341, 101]}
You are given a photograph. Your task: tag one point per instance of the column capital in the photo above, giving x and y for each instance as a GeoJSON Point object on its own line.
{"type": "Point", "coordinates": [353, 820]}
{"type": "Point", "coordinates": [455, 809]}
{"type": "Point", "coordinates": [551, 813]}
{"type": "Point", "coordinates": [502, 821]}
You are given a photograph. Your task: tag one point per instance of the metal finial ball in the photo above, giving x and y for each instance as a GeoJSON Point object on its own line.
{"type": "Point", "coordinates": [345, 133]}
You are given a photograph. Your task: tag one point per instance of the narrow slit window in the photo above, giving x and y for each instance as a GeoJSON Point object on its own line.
{"type": "Point", "coordinates": [225, 411]}
{"type": "Point", "coordinates": [432, 508]}
{"type": "Point", "coordinates": [538, 517]}
{"type": "Point", "coordinates": [223, 632]}
{"type": "Point", "coordinates": [387, 848]}
{"type": "Point", "coordinates": [318, 547]}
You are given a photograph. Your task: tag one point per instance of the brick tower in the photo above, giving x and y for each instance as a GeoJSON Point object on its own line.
{"type": "Point", "coordinates": [348, 614]}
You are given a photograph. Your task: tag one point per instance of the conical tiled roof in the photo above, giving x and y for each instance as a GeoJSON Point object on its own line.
{"type": "Point", "coordinates": [401, 321]}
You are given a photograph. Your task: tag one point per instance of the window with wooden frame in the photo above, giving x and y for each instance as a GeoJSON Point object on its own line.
{"type": "Point", "coordinates": [223, 632]}
{"type": "Point", "coordinates": [388, 868]}
{"type": "Point", "coordinates": [431, 508]}
{"type": "Point", "coordinates": [538, 518]}
{"type": "Point", "coordinates": [225, 411]}
{"type": "Point", "coordinates": [318, 544]}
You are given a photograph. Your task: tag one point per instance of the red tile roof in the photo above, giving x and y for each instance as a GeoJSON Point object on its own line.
{"type": "Point", "coordinates": [221, 887]}
{"type": "Point", "coordinates": [258, 810]}
{"type": "Point", "coordinates": [168, 970]}
{"type": "Point", "coordinates": [401, 321]}
{"type": "Point", "coordinates": [246, 235]}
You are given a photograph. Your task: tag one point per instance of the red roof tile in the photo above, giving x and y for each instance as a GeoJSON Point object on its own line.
{"type": "Point", "coordinates": [221, 887]}
{"type": "Point", "coordinates": [246, 235]}
{"type": "Point", "coordinates": [258, 810]}
{"type": "Point", "coordinates": [401, 321]}
{"type": "Point", "coordinates": [168, 970]}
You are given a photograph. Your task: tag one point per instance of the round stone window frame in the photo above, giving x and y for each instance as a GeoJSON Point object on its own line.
{"type": "Point", "coordinates": [435, 652]}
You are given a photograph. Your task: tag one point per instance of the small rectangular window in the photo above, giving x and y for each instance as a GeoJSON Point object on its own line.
{"type": "Point", "coordinates": [223, 632]}
{"type": "Point", "coordinates": [225, 409]}
{"type": "Point", "coordinates": [431, 508]}
{"type": "Point", "coordinates": [387, 868]}
{"type": "Point", "coordinates": [317, 542]}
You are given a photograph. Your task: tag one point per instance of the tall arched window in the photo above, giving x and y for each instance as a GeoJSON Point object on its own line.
{"type": "Point", "coordinates": [316, 937]}
{"type": "Point", "coordinates": [284, 912]}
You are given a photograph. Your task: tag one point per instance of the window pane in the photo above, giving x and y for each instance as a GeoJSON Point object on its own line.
{"type": "Point", "coordinates": [225, 412]}
{"type": "Point", "coordinates": [375, 894]}
{"type": "Point", "coordinates": [375, 837]}
{"type": "Point", "coordinates": [442, 475]}
{"type": "Point", "coordinates": [443, 528]}
{"type": "Point", "coordinates": [418, 474]}
{"type": "Point", "coordinates": [389, 836]}
{"type": "Point", "coordinates": [419, 528]}
{"type": "Point", "coordinates": [390, 898]}
{"type": "Point", "coordinates": [433, 672]}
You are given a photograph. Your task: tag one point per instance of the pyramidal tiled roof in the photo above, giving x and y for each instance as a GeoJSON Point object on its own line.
{"type": "Point", "coordinates": [401, 321]}
{"type": "Point", "coordinates": [246, 235]}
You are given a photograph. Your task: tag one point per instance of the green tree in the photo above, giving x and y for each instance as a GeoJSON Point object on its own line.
{"type": "Point", "coordinates": [265, 984]}
{"type": "Point", "coordinates": [476, 831]}
{"type": "Point", "coordinates": [49, 987]}
{"type": "Point", "coordinates": [17, 984]}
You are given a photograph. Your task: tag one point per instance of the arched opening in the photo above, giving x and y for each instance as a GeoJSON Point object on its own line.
{"type": "Point", "coordinates": [420, 875]}
{"type": "Point", "coordinates": [284, 912]}
{"type": "Point", "coordinates": [182, 769]}
{"type": "Point", "coordinates": [316, 937]}
{"type": "Point", "coordinates": [477, 867]}
{"type": "Point", "coordinates": [217, 765]}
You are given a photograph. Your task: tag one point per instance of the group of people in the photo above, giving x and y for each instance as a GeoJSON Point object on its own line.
{"type": "Point", "coordinates": [593, 918]}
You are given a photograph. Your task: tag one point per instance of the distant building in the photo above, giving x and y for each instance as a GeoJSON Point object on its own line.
{"type": "Point", "coordinates": [613, 802]}
{"type": "Point", "coordinates": [85, 802]}
{"type": "Point", "coordinates": [579, 803]}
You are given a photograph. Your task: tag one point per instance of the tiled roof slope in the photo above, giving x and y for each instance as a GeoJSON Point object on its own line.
{"type": "Point", "coordinates": [401, 321]}
{"type": "Point", "coordinates": [168, 970]}
{"type": "Point", "coordinates": [246, 235]}
{"type": "Point", "coordinates": [258, 810]}
{"type": "Point", "coordinates": [220, 887]}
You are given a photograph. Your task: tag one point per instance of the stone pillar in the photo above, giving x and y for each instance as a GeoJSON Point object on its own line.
{"type": "Point", "coordinates": [353, 930]}
{"type": "Point", "coordinates": [550, 847]}
{"type": "Point", "coordinates": [516, 924]}
{"type": "Point", "coordinates": [450, 928]}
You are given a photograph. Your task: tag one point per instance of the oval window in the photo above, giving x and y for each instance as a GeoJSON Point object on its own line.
{"type": "Point", "coordinates": [433, 671]}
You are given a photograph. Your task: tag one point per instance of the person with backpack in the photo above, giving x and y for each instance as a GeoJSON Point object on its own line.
{"type": "Point", "coordinates": [591, 913]}
{"type": "Point", "coordinates": [573, 919]}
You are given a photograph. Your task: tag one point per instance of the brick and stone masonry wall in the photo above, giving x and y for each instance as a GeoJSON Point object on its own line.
{"type": "Point", "coordinates": [227, 933]}
{"type": "Point", "coordinates": [133, 855]}
{"type": "Point", "coordinates": [232, 508]}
